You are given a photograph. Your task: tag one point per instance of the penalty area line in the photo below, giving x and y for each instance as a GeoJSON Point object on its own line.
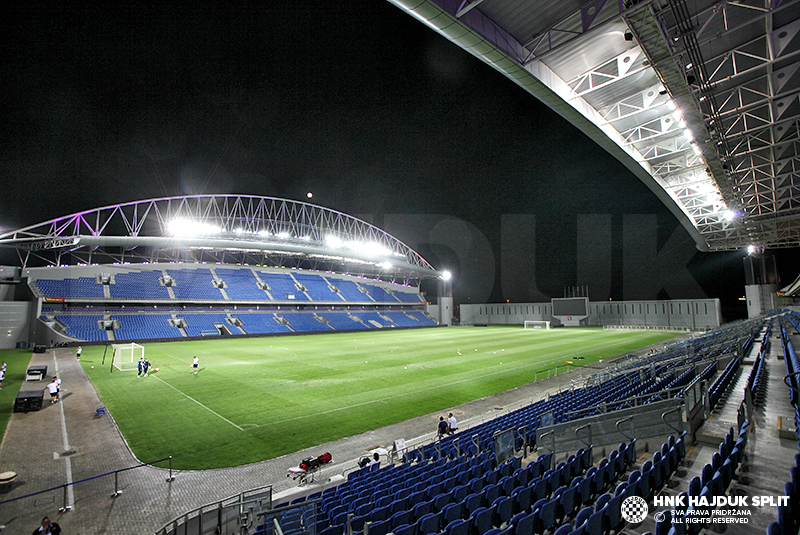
{"type": "Point", "coordinates": [191, 398]}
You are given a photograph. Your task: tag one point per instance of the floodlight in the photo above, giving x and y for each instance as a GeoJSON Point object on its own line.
{"type": "Point", "coordinates": [283, 235]}
{"type": "Point", "coordinates": [184, 228]}
{"type": "Point", "coordinates": [730, 214]}
{"type": "Point", "coordinates": [333, 241]}
{"type": "Point", "coordinates": [446, 275]}
{"type": "Point", "coordinates": [369, 248]}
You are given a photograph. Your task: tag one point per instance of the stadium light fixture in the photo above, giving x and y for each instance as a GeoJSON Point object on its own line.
{"type": "Point", "coordinates": [446, 275]}
{"type": "Point", "coordinates": [333, 241]}
{"type": "Point", "coordinates": [184, 228]}
{"type": "Point", "coordinates": [369, 248]}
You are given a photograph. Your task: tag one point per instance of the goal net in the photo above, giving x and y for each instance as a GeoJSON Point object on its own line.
{"type": "Point", "coordinates": [537, 324]}
{"type": "Point", "coordinates": [126, 356]}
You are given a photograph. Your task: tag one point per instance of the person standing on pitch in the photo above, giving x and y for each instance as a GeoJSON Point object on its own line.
{"type": "Point", "coordinates": [78, 352]}
{"type": "Point", "coordinates": [195, 364]}
{"type": "Point", "coordinates": [140, 367]}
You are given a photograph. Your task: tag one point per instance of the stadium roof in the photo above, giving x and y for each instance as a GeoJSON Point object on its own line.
{"type": "Point", "coordinates": [699, 99]}
{"type": "Point", "coordinates": [228, 228]}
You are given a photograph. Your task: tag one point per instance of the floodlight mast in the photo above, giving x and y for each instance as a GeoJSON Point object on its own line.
{"type": "Point", "coordinates": [261, 229]}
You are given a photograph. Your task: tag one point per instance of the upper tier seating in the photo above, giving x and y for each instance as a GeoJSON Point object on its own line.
{"type": "Point", "coordinates": [282, 286]}
{"type": "Point", "coordinates": [317, 287]}
{"type": "Point", "coordinates": [239, 284]}
{"type": "Point", "coordinates": [350, 291]}
{"type": "Point", "coordinates": [194, 284]}
{"type": "Point", "coordinates": [81, 287]}
{"type": "Point", "coordinates": [138, 285]}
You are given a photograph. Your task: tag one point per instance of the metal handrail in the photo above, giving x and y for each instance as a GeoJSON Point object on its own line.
{"type": "Point", "coordinates": [552, 449]}
{"type": "Point", "coordinates": [476, 440]}
{"type": "Point", "coordinates": [117, 492]}
{"type": "Point", "coordinates": [617, 424]}
{"type": "Point", "coordinates": [664, 421]}
{"type": "Point", "coordinates": [523, 432]}
{"type": "Point", "coordinates": [577, 429]}
{"type": "Point", "coordinates": [786, 380]}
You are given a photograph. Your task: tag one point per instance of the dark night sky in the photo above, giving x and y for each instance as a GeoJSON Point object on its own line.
{"type": "Point", "coordinates": [357, 102]}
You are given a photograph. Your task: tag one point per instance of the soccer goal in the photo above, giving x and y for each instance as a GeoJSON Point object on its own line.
{"type": "Point", "coordinates": [127, 355]}
{"type": "Point", "coordinates": [537, 324]}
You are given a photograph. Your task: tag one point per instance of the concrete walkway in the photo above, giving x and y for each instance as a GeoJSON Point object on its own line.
{"type": "Point", "coordinates": [66, 442]}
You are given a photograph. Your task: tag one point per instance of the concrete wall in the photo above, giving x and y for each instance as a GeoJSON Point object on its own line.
{"type": "Point", "coordinates": [760, 298]}
{"type": "Point", "coordinates": [14, 319]}
{"type": "Point", "coordinates": [685, 313]}
{"type": "Point", "coordinates": [442, 311]}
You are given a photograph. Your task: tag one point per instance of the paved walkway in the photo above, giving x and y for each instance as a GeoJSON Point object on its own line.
{"type": "Point", "coordinates": [66, 442]}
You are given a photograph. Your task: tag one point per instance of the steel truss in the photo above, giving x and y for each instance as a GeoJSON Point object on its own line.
{"type": "Point", "coordinates": [728, 162]}
{"type": "Point", "coordinates": [232, 229]}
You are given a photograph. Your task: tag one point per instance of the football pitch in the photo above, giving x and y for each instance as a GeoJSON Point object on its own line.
{"type": "Point", "coordinates": [258, 398]}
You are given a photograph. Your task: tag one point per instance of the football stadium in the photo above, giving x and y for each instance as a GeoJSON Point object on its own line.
{"type": "Point", "coordinates": [250, 364]}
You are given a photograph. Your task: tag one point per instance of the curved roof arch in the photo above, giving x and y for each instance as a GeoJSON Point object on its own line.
{"type": "Point", "coordinates": [700, 99]}
{"type": "Point", "coordinates": [231, 228]}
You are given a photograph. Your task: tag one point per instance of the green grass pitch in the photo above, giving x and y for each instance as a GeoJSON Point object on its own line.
{"type": "Point", "coordinates": [259, 398]}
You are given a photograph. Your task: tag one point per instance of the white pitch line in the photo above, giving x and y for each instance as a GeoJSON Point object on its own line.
{"type": "Point", "coordinates": [190, 397]}
{"type": "Point", "coordinates": [67, 461]}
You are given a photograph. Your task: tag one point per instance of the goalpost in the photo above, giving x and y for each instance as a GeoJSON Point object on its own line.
{"type": "Point", "coordinates": [127, 355]}
{"type": "Point", "coordinates": [537, 324]}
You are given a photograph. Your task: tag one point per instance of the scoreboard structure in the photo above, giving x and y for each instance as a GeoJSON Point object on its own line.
{"type": "Point", "coordinates": [570, 311]}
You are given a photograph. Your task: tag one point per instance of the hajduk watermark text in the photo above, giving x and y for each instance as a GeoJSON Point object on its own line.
{"type": "Point", "coordinates": [720, 501]}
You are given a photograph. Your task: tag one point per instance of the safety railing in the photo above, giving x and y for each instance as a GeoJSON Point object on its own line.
{"type": "Point", "coordinates": [238, 514]}
{"type": "Point", "coordinates": [64, 488]}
